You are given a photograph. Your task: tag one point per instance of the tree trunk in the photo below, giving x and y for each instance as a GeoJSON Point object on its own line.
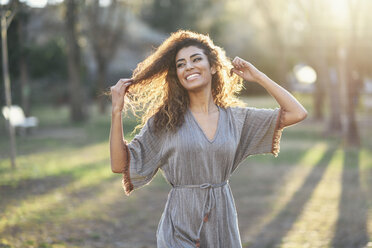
{"type": "Point", "coordinates": [22, 64]}
{"type": "Point", "coordinates": [352, 134]}
{"type": "Point", "coordinates": [101, 82]}
{"type": "Point", "coordinates": [25, 87]}
{"type": "Point", "coordinates": [105, 29]}
{"type": "Point", "coordinates": [8, 95]}
{"type": "Point", "coordinates": [350, 129]}
{"type": "Point", "coordinates": [318, 100]}
{"type": "Point", "coordinates": [333, 85]}
{"type": "Point", "coordinates": [77, 113]}
{"type": "Point", "coordinates": [319, 93]}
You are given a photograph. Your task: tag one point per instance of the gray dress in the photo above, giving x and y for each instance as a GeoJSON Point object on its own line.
{"type": "Point", "coordinates": [200, 210]}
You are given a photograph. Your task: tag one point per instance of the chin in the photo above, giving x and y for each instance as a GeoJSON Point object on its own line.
{"type": "Point", "coordinates": [196, 87]}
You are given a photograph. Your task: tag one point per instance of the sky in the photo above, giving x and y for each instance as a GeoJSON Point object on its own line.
{"type": "Point", "coordinates": [42, 3]}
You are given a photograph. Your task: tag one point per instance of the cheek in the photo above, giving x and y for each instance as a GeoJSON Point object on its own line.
{"type": "Point", "coordinates": [179, 73]}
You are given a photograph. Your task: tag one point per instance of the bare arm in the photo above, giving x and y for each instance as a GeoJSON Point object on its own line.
{"type": "Point", "coordinates": [118, 154]}
{"type": "Point", "coordinates": [293, 110]}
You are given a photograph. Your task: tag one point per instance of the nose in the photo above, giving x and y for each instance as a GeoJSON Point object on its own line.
{"type": "Point", "coordinates": [189, 66]}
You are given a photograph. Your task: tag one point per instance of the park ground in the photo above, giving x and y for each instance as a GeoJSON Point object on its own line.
{"type": "Point", "coordinates": [316, 193]}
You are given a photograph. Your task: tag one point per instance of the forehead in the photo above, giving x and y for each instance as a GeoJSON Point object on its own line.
{"type": "Point", "coordinates": [186, 52]}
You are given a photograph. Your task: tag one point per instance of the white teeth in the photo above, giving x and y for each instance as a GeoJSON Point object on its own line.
{"type": "Point", "coordinates": [192, 76]}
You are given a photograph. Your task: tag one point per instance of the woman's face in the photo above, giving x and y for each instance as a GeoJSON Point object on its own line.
{"type": "Point", "coordinates": [193, 69]}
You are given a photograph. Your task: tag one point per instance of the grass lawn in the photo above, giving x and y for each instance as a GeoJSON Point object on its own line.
{"type": "Point", "coordinates": [316, 193]}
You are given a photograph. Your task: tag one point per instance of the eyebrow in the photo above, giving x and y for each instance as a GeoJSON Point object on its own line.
{"type": "Point", "coordinates": [195, 54]}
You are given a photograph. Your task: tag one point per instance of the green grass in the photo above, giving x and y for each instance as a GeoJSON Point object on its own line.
{"type": "Point", "coordinates": [63, 193]}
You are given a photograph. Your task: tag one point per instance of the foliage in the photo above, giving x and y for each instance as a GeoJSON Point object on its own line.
{"type": "Point", "coordinates": [48, 60]}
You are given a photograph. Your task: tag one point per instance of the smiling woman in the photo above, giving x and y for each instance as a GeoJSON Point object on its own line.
{"type": "Point", "coordinates": [167, 96]}
{"type": "Point", "coordinates": [197, 133]}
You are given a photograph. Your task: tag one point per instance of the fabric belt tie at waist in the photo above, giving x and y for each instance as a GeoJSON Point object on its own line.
{"type": "Point", "coordinates": [202, 186]}
{"type": "Point", "coordinates": [208, 203]}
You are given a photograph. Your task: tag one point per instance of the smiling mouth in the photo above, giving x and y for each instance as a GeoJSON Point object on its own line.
{"type": "Point", "coordinates": [192, 76]}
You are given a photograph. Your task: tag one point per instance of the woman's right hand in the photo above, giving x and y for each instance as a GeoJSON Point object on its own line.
{"type": "Point", "coordinates": [118, 92]}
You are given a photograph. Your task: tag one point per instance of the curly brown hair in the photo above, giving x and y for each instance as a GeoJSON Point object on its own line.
{"type": "Point", "coordinates": [156, 89]}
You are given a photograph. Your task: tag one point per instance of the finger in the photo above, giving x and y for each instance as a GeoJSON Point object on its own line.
{"type": "Point", "coordinates": [237, 72]}
{"type": "Point", "coordinates": [235, 61]}
{"type": "Point", "coordinates": [235, 64]}
{"type": "Point", "coordinates": [124, 80]}
{"type": "Point", "coordinates": [241, 63]}
{"type": "Point", "coordinates": [247, 64]}
{"type": "Point", "coordinates": [125, 83]}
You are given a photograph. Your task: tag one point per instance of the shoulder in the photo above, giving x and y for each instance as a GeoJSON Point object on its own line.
{"type": "Point", "coordinates": [237, 115]}
{"type": "Point", "coordinates": [239, 112]}
{"type": "Point", "coordinates": [149, 129]}
{"type": "Point", "coordinates": [244, 114]}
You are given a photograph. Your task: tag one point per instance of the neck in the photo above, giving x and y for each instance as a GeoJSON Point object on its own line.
{"type": "Point", "coordinates": [202, 101]}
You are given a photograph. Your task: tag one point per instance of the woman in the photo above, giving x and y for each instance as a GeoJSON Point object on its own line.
{"type": "Point", "coordinates": [197, 133]}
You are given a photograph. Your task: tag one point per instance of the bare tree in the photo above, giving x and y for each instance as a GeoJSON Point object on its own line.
{"type": "Point", "coordinates": [316, 52]}
{"type": "Point", "coordinates": [22, 64]}
{"type": "Point", "coordinates": [7, 14]}
{"type": "Point", "coordinates": [272, 12]}
{"type": "Point", "coordinates": [352, 76]}
{"type": "Point", "coordinates": [316, 47]}
{"type": "Point", "coordinates": [76, 94]}
{"type": "Point", "coordinates": [105, 28]}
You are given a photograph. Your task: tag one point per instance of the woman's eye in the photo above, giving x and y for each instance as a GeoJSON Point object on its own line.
{"type": "Point", "coordinates": [179, 65]}
{"type": "Point", "coordinates": [197, 59]}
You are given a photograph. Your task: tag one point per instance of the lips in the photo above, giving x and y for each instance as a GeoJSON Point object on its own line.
{"type": "Point", "coordinates": [192, 76]}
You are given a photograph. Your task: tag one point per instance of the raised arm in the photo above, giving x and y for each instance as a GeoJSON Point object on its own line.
{"type": "Point", "coordinates": [293, 111]}
{"type": "Point", "coordinates": [118, 154]}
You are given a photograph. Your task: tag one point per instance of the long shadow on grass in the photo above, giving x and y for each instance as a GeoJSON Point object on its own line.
{"type": "Point", "coordinates": [56, 210]}
{"type": "Point", "coordinates": [351, 227]}
{"type": "Point", "coordinates": [12, 194]}
{"type": "Point", "coordinates": [39, 187]}
{"type": "Point", "coordinates": [257, 177]}
{"type": "Point", "coordinates": [272, 234]}
{"type": "Point", "coordinates": [116, 219]}
{"type": "Point", "coordinates": [21, 188]}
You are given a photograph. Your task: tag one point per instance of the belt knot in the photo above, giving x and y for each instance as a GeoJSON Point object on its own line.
{"type": "Point", "coordinates": [205, 186]}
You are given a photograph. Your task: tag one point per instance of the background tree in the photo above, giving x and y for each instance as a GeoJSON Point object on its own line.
{"type": "Point", "coordinates": [272, 12]}
{"type": "Point", "coordinates": [105, 29]}
{"type": "Point", "coordinates": [350, 72]}
{"type": "Point", "coordinates": [77, 99]}
{"type": "Point", "coordinates": [168, 15]}
{"type": "Point", "coordinates": [22, 59]}
{"type": "Point", "coordinates": [6, 14]}
{"type": "Point", "coordinates": [315, 49]}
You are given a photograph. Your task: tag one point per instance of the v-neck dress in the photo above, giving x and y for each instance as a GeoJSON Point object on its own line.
{"type": "Point", "coordinates": [200, 209]}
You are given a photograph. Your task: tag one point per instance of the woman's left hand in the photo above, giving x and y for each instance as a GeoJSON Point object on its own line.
{"type": "Point", "coordinates": [246, 70]}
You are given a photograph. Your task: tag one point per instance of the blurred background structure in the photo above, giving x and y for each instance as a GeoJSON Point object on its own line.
{"type": "Point", "coordinates": [63, 55]}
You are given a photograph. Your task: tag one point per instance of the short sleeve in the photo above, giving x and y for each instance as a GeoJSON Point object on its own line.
{"type": "Point", "coordinates": [260, 131]}
{"type": "Point", "coordinates": [144, 154]}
